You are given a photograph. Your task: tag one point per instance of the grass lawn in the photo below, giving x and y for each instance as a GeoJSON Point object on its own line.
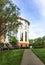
{"type": "Point", "coordinates": [40, 53]}
{"type": "Point", "coordinates": [11, 57]}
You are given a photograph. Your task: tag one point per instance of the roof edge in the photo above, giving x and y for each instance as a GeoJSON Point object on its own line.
{"type": "Point", "coordinates": [24, 20]}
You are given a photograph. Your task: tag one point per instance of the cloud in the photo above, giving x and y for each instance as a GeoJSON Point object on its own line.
{"type": "Point", "coordinates": [37, 30]}
{"type": "Point", "coordinates": [32, 35]}
{"type": "Point", "coordinates": [41, 5]}
{"type": "Point", "coordinates": [34, 11]}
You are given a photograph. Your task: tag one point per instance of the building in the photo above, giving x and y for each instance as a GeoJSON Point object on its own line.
{"type": "Point", "coordinates": [23, 33]}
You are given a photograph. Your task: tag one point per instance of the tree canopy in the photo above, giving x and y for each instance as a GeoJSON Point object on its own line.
{"type": "Point", "coordinates": [8, 16]}
{"type": "Point", "coordinates": [38, 42]}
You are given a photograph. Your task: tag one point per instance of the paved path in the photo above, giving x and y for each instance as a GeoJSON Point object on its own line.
{"type": "Point", "coordinates": [29, 58]}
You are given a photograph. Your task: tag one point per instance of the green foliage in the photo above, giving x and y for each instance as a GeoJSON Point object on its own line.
{"type": "Point", "coordinates": [31, 41]}
{"type": "Point", "coordinates": [38, 42]}
{"type": "Point", "coordinates": [43, 41]}
{"type": "Point", "coordinates": [13, 40]}
{"type": "Point", "coordinates": [12, 57]}
{"type": "Point", "coordinates": [8, 16]}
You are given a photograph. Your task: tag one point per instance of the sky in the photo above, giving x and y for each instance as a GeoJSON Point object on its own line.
{"type": "Point", "coordinates": [34, 12]}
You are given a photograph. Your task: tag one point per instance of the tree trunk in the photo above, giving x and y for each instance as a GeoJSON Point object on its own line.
{"type": "Point", "coordinates": [2, 38]}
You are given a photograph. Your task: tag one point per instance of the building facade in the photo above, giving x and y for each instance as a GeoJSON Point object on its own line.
{"type": "Point", "coordinates": [23, 33]}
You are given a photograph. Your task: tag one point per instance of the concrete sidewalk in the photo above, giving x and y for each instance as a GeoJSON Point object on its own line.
{"type": "Point", "coordinates": [29, 58]}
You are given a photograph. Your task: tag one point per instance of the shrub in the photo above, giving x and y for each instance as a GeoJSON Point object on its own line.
{"type": "Point", "coordinates": [13, 40]}
{"type": "Point", "coordinates": [1, 46]}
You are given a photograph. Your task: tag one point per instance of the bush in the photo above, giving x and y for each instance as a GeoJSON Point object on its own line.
{"type": "Point", "coordinates": [37, 47]}
{"type": "Point", "coordinates": [13, 40]}
{"type": "Point", "coordinates": [24, 47]}
{"type": "Point", "coordinates": [1, 46]}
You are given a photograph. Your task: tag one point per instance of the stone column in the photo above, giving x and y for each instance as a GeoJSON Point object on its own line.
{"type": "Point", "coordinates": [24, 35]}
{"type": "Point", "coordinates": [18, 35]}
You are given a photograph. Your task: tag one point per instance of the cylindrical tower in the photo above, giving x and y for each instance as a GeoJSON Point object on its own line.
{"type": "Point", "coordinates": [23, 32]}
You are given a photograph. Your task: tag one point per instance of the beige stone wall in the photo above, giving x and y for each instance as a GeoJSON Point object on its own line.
{"type": "Point", "coordinates": [23, 44]}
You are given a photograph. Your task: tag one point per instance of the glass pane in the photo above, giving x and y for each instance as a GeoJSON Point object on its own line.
{"type": "Point", "coordinates": [25, 36]}
{"type": "Point", "coordinates": [21, 36]}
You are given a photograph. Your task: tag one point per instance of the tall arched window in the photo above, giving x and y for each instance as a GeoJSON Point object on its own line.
{"type": "Point", "coordinates": [25, 36]}
{"type": "Point", "coordinates": [21, 36]}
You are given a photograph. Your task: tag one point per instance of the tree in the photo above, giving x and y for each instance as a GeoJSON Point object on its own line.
{"type": "Point", "coordinates": [37, 42]}
{"type": "Point", "coordinates": [43, 41]}
{"type": "Point", "coordinates": [13, 40]}
{"type": "Point", "coordinates": [31, 41]}
{"type": "Point", "coordinates": [8, 17]}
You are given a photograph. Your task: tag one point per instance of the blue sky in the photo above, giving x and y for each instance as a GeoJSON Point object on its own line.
{"type": "Point", "coordinates": [34, 12]}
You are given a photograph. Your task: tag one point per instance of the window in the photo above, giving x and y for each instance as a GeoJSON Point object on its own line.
{"type": "Point", "coordinates": [25, 36]}
{"type": "Point", "coordinates": [21, 36]}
